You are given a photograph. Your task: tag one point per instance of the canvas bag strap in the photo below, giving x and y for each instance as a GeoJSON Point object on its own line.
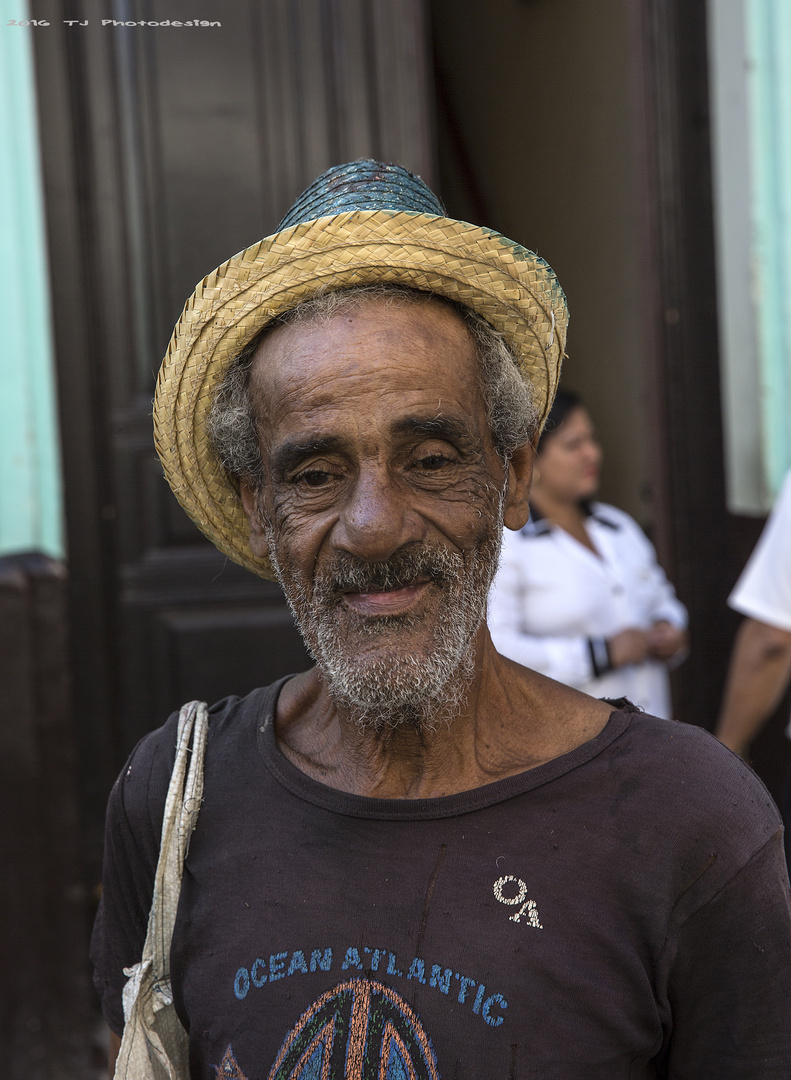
{"type": "Point", "coordinates": [181, 814]}
{"type": "Point", "coordinates": [154, 1044]}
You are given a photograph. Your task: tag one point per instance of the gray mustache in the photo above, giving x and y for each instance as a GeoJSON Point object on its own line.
{"type": "Point", "coordinates": [347, 573]}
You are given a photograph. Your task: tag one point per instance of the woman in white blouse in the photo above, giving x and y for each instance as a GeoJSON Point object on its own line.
{"type": "Point", "coordinates": [579, 595]}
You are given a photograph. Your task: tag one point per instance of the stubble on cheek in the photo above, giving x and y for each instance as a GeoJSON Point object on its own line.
{"type": "Point", "coordinates": [411, 668]}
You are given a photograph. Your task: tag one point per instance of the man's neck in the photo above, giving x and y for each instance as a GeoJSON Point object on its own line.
{"type": "Point", "coordinates": [511, 720]}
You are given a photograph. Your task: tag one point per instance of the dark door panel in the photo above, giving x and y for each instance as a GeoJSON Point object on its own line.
{"type": "Point", "coordinates": [165, 151]}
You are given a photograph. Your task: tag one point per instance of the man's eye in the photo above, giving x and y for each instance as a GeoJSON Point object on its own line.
{"type": "Point", "coordinates": [313, 478]}
{"type": "Point", "coordinates": [434, 462]}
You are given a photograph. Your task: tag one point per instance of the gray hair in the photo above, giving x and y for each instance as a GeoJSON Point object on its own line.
{"type": "Point", "coordinates": [510, 406]}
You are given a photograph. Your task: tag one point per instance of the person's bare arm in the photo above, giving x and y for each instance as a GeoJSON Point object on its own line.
{"type": "Point", "coordinates": [758, 674]}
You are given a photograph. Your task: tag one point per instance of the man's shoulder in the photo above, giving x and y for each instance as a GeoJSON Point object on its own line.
{"type": "Point", "coordinates": [692, 813]}
{"type": "Point", "coordinates": [685, 749]}
{"type": "Point", "coordinates": [685, 772]}
{"type": "Point", "coordinates": [225, 716]}
{"type": "Point", "coordinates": [138, 795]}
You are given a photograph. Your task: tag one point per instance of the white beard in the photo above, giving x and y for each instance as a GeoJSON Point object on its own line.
{"type": "Point", "coordinates": [383, 688]}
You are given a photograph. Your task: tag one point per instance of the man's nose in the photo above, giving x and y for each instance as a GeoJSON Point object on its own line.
{"type": "Point", "coordinates": [377, 518]}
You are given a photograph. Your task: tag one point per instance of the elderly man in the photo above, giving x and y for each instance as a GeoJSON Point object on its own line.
{"type": "Point", "coordinates": [419, 859]}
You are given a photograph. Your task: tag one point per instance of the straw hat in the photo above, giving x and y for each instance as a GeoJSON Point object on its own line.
{"type": "Point", "coordinates": [356, 224]}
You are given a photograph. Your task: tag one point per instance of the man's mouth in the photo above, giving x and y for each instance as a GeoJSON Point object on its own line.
{"type": "Point", "coordinates": [389, 602]}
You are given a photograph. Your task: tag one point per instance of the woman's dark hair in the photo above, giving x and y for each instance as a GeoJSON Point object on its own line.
{"type": "Point", "coordinates": [565, 402]}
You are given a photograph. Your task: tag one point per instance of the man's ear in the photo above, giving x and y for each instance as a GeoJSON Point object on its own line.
{"type": "Point", "coordinates": [520, 473]}
{"type": "Point", "coordinates": [249, 493]}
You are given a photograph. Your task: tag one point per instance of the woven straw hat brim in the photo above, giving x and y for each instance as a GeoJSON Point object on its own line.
{"type": "Point", "coordinates": [510, 286]}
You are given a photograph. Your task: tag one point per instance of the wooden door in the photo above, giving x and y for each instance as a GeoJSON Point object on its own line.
{"type": "Point", "coordinates": [167, 149]}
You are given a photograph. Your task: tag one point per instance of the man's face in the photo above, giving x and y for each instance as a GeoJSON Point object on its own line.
{"type": "Point", "coordinates": [381, 505]}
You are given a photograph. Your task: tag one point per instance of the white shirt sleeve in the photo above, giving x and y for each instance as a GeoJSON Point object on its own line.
{"type": "Point", "coordinates": [662, 604]}
{"type": "Point", "coordinates": [566, 658]}
{"type": "Point", "coordinates": [763, 591]}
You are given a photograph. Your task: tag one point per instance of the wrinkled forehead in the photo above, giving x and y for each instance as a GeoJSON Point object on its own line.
{"type": "Point", "coordinates": [388, 296]}
{"type": "Point", "coordinates": [347, 345]}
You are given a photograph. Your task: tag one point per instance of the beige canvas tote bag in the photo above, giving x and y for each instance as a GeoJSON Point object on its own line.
{"type": "Point", "coordinates": [154, 1044]}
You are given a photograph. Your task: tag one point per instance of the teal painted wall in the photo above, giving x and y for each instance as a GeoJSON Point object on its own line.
{"type": "Point", "coordinates": [769, 82]}
{"type": "Point", "coordinates": [30, 479]}
{"type": "Point", "coordinates": [750, 79]}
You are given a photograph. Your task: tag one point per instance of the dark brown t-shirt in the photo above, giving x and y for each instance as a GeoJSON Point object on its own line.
{"type": "Point", "coordinates": [619, 913]}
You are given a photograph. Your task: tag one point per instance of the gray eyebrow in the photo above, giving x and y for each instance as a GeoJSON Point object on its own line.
{"type": "Point", "coordinates": [443, 427]}
{"type": "Point", "coordinates": [293, 451]}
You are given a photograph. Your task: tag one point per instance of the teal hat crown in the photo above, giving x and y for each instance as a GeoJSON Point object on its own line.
{"type": "Point", "coordinates": [363, 185]}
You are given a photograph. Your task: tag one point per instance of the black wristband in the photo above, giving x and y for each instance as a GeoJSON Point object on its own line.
{"type": "Point", "coordinates": [600, 655]}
